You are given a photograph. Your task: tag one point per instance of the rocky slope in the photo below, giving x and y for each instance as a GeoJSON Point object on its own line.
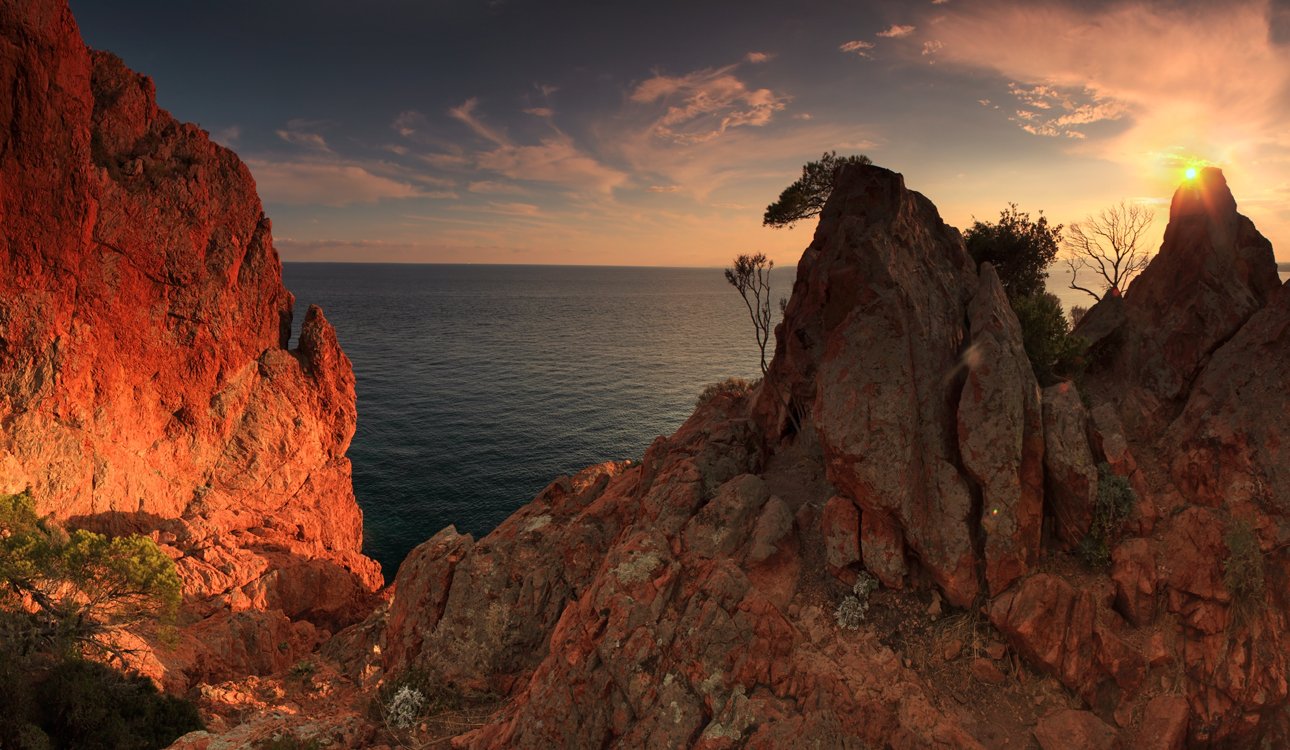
{"type": "Point", "coordinates": [689, 600]}
{"type": "Point", "coordinates": [146, 382]}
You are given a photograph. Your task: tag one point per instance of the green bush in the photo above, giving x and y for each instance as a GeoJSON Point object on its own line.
{"type": "Point", "coordinates": [80, 704]}
{"type": "Point", "coordinates": [84, 585]}
{"type": "Point", "coordinates": [63, 594]}
{"type": "Point", "coordinates": [1019, 249]}
{"type": "Point", "coordinates": [1115, 500]}
{"type": "Point", "coordinates": [1045, 332]}
{"type": "Point", "coordinates": [1243, 569]}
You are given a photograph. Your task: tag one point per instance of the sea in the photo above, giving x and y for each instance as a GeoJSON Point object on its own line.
{"type": "Point", "coordinates": [479, 384]}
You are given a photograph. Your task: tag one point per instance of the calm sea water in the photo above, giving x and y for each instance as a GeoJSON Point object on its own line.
{"type": "Point", "coordinates": [478, 385]}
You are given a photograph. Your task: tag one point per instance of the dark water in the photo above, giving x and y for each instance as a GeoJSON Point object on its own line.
{"type": "Point", "coordinates": [477, 385]}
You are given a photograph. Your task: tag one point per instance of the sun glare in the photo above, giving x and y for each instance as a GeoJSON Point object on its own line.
{"type": "Point", "coordinates": [1191, 173]}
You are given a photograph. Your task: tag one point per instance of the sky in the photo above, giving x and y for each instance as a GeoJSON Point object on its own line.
{"type": "Point", "coordinates": [655, 134]}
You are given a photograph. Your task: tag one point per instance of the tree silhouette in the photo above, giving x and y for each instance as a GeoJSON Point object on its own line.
{"type": "Point", "coordinates": [751, 276]}
{"type": "Point", "coordinates": [1107, 244]}
{"type": "Point", "coordinates": [806, 197]}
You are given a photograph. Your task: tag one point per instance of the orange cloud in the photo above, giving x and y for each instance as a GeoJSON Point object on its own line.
{"type": "Point", "coordinates": [706, 103]}
{"type": "Point", "coordinates": [1206, 80]}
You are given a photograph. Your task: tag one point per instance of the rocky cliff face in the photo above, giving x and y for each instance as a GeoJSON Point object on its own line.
{"type": "Point", "coordinates": [145, 378]}
{"type": "Point", "coordinates": [690, 600]}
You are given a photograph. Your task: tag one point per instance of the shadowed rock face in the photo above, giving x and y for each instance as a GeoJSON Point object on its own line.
{"type": "Point", "coordinates": [145, 379]}
{"type": "Point", "coordinates": [1213, 272]}
{"type": "Point", "coordinates": [684, 615]}
{"type": "Point", "coordinates": [911, 370]}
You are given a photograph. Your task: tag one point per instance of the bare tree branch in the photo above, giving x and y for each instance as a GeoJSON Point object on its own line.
{"type": "Point", "coordinates": [1108, 245]}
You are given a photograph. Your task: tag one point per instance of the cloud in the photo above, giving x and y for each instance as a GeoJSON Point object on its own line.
{"type": "Point", "coordinates": [515, 209]}
{"type": "Point", "coordinates": [1206, 77]}
{"type": "Point", "coordinates": [227, 136]}
{"type": "Point", "coordinates": [932, 46]}
{"type": "Point", "coordinates": [1056, 111]}
{"type": "Point", "coordinates": [304, 133]}
{"type": "Point", "coordinates": [540, 112]}
{"type": "Point", "coordinates": [466, 114]}
{"type": "Point", "coordinates": [328, 184]}
{"type": "Point", "coordinates": [861, 48]}
{"type": "Point", "coordinates": [705, 104]}
{"type": "Point", "coordinates": [408, 123]}
{"type": "Point", "coordinates": [757, 57]}
{"type": "Point", "coordinates": [555, 160]}
{"type": "Point", "coordinates": [490, 187]}
{"type": "Point", "coordinates": [664, 188]}
{"type": "Point", "coordinates": [896, 31]}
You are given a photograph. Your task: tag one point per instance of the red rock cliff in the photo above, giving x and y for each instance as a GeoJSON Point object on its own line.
{"type": "Point", "coordinates": [145, 379]}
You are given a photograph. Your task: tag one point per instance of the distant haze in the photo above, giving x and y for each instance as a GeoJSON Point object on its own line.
{"type": "Point", "coordinates": [517, 131]}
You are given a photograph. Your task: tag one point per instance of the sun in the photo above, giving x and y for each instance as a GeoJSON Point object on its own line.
{"type": "Point", "coordinates": [1190, 173]}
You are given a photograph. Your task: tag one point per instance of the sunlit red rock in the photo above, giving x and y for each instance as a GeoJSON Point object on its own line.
{"type": "Point", "coordinates": [146, 382]}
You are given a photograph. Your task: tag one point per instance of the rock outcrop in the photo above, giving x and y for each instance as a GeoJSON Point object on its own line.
{"type": "Point", "coordinates": [900, 431]}
{"type": "Point", "coordinates": [146, 384]}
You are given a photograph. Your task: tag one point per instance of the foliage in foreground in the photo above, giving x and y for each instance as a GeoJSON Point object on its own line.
{"type": "Point", "coordinates": [81, 704]}
{"type": "Point", "coordinates": [65, 595]}
{"type": "Point", "coordinates": [854, 608]}
{"type": "Point", "coordinates": [1115, 500]}
{"type": "Point", "coordinates": [77, 588]}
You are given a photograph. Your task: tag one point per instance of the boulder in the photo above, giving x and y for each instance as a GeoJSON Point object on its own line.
{"type": "Point", "coordinates": [840, 526]}
{"type": "Point", "coordinates": [1069, 729]}
{"type": "Point", "coordinates": [1001, 435]}
{"type": "Point", "coordinates": [1070, 473]}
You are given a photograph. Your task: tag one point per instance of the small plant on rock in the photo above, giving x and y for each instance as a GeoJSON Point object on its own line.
{"type": "Point", "coordinates": [1115, 500]}
{"type": "Point", "coordinates": [1243, 569]}
{"type": "Point", "coordinates": [736, 387]}
{"type": "Point", "coordinates": [854, 607]}
{"type": "Point", "coordinates": [405, 707]}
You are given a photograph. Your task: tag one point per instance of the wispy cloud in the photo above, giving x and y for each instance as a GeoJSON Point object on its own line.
{"type": "Point", "coordinates": [306, 134]}
{"type": "Point", "coordinates": [896, 31]}
{"type": "Point", "coordinates": [757, 57]}
{"type": "Point", "coordinates": [466, 114]}
{"type": "Point", "coordinates": [859, 47]}
{"type": "Point", "coordinates": [490, 187]}
{"type": "Point", "coordinates": [704, 104]}
{"type": "Point", "coordinates": [228, 136]}
{"type": "Point", "coordinates": [329, 184]}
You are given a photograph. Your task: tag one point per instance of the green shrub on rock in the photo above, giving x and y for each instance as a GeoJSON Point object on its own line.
{"type": "Point", "coordinates": [1243, 569]}
{"type": "Point", "coordinates": [1115, 500]}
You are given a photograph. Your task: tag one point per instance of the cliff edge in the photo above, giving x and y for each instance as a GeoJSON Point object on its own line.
{"type": "Point", "coordinates": [146, 384]}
